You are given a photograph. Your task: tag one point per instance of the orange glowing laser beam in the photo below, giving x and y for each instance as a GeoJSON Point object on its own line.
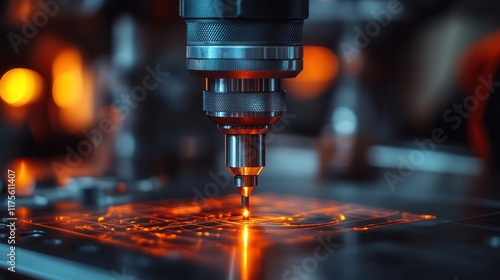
{"type": "Point", "coordinates": [244, 259]}
{"type": "Point", "coordinates": [245, 236]}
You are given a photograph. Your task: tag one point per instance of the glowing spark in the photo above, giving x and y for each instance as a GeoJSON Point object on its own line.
{"type": "Point", "coordinates": [428, 217]}
{"type": "Point", "coordinates": [360, 228]}
{"type": "Point", "coordinates": [246, 214]}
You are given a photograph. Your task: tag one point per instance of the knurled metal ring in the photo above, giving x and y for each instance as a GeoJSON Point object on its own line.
{"type": "Point", "coordinates": [244, 101]}
{"type": "Point", "coordinates": [244, 32]}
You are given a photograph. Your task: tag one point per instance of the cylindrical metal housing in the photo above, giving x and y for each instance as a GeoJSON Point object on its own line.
{"type": "Point", "coordinates": [244, 39]}
{"type": "Point", "coordinates": [243, 48]}
{"type": "Point", "coordinates": [246, 153]}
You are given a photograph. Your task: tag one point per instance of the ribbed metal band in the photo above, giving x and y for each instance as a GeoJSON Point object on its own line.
{"type": "Point", "coordinates": [244, 101]}
{"type": "Point", "coordinates": [244, 32]}
{"type": "Point", "coordinates": [243, 65]}
{"type": "Point", "coordinates": [244, 52]}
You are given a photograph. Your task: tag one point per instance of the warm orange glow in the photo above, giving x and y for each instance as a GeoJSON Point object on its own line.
{"type": "Point", "coordinates": [67, 205]}
{"type": "Point", "coordinates": [186, 209]}
{"type": "Point", "coordinates": [24, 8]}
{"type": "Point", "coordinates": [342, 217]}
{"type": "Point", "coordinates": [67, 89]}
{"type": "Point", "coordinates": [244, 257]}
{"type": "Point", "coordinates": [215, 225]}
{"type": "Point", "coordinates": [20, 9]}
{"type": "Point", "coordinates": [72, 90]}
{"type": "Point", "coordinates": [23, 213]}
{"type": "Point", "coordinates": [428, 217]}
{"type": "Point", "coordinates": [24, 181]}
{"type": "Point", "coordinates": [246, 214]}
{"type": "Point", "coordinates": [321, 66]}
{"type": "Point", "coordinates": [245, 236]}
{"type": "Point", "coordinates": [360, 228]}
{"type": "Point", "coordinates": [68, 78]}
{"type": "Point", "coordinates": [121, 187]}
{"type": "Point", "coordinates": [480, 60]}
{"type": "Point", "coordinates": [20, 86]}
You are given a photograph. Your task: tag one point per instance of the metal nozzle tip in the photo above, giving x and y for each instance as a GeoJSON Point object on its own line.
{"type": "Point", "coordinates": [245, 204]}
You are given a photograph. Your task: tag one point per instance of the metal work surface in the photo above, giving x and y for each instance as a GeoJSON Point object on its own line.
{"type": "Point", "coordinates": [196, 232]}
{"type": "Point", "coordinates": [436, 226]}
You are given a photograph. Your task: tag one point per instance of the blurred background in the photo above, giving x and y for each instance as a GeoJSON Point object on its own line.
{"type": "Point", "coordinates": [395, 108]}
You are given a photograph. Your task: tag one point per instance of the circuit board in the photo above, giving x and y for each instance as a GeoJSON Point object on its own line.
{"type": "Point", "coordinates": [182, 226]}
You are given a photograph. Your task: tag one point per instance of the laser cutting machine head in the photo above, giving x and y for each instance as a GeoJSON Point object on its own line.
{"type": "Point", "coordinates": [243, 48]}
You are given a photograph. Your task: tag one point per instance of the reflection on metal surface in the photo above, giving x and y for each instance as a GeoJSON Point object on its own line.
{"type": "Point", "coordinates": [197, 231]}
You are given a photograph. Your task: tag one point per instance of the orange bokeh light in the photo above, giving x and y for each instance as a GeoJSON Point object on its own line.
{"type": "Point", "coordinates": [20, 86]}
{"type": "Point", "coordinates": [72, 91]}
{"type": "Point", "coordinates": [321, 66]}
{"type": "Point", "coordinates": [68, 78]}
{"type": "Point", "coordinates": [25, 182]}
{"type": "Point", "coordinates": [19, 10]}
